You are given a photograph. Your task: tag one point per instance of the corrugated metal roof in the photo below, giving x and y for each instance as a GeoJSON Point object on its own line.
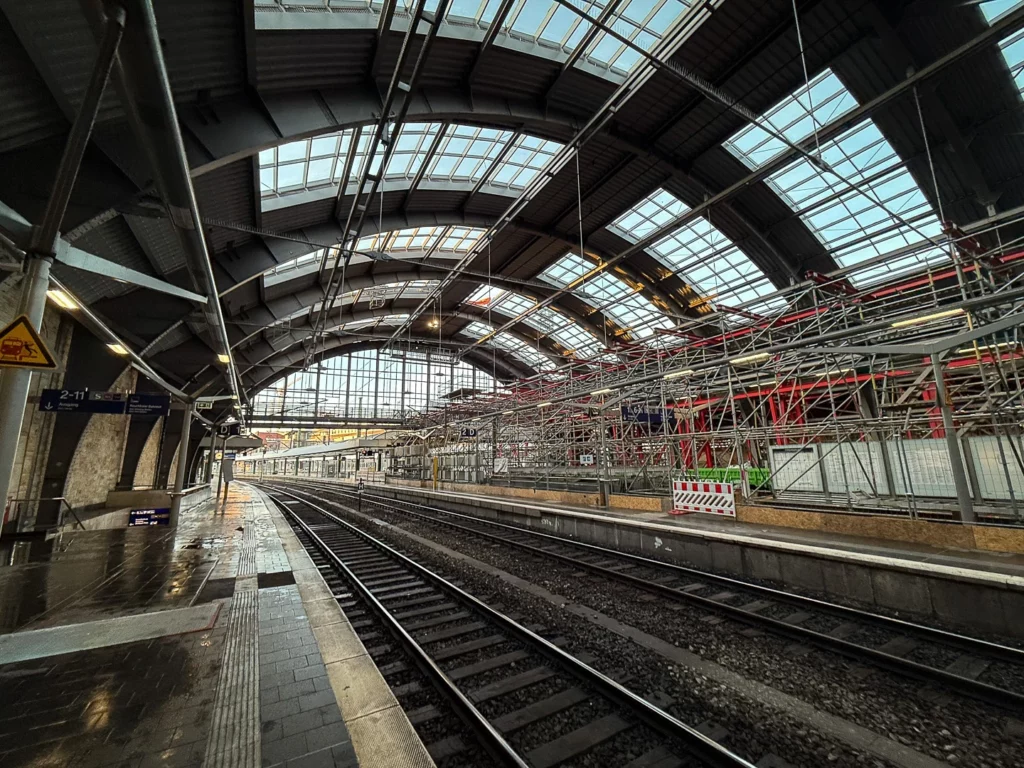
{"type": "Point", "coordinates": [228, 193]}
{"type": "Point", "coordinates": [159, 241]}
{"type": "Point", "coordinates": [29, 112]}
{"type": "Point", "coordinates": [203, 46]}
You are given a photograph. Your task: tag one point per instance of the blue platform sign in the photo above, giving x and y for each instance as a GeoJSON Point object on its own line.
{"type": "Point", "coordinates": [81, 401]}
{"type": "Point", "coordinates": [161, 516]}
{"type": "Point", "coordinates": [149, 405]}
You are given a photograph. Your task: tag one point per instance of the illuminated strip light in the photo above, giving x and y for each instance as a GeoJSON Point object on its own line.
{"type": "Point", "coordinates": [928, 318]}
{"type": "Point", "coordinates": [677, 374]}
{"type": "Point", "coordinates": [507, 413]}
{"type": "Point", "coordinates": [544, 405]}
{"type": "Point", "coordinates": [61, 299]}
{"type": "Point", "coordinates": [117, 349]}
{"type": "Point", "coordinates": [760, 357]}
{"type": "Point", "coordinates": [602, 392]}
{"type": "Point", "coordinates": [982, 347]}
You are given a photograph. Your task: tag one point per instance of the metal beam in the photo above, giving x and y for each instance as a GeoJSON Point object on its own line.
{"type": "Point", "coordinates": [146, 94]}
{"type": "Point", "coordinates": [610, 10]}
{"type": "Point", "coordinates": [387, 13]}
{"type": "Point", "coordinates": [88, 262]}
{"type": "Point", "coordinates": [489, 37]}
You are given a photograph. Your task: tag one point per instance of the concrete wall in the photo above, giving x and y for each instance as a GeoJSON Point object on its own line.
{"type": "Point", "coordinates": [96, 465]}
{"type": "Point", "coordinates": [145, 472]}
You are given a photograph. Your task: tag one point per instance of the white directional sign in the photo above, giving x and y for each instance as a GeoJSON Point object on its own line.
{"type": "Point", "coordinates": [204, 405]}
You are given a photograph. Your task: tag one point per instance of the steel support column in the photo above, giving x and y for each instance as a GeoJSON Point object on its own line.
{"type": "Point", "coordinates": [182, 467]}
{"type": "Point", "coordinates": [956, 458]}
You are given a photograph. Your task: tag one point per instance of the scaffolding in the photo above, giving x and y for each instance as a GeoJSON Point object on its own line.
{"type": "Point", "coordinates": [902, 397]}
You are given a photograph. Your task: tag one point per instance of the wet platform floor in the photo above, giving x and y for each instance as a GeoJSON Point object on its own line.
{"type": "Point", "coordinates": [218, 605]}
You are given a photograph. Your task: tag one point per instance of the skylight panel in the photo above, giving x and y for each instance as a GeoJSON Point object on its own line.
{"type": "Point", "coordinates": [466, 152]}
{"type": "Point", "coordinates": [411, 147]}
{"type": "Point", "coordinates": [296, 263]}
{"type": "Point", "coordinates": [509, 343]}
{"type": "Point", "coordinates": [643, 22]}
{"type": "Point", "coordinates": [522, 164]}
{"type": "Point", "coordinates": [411, 289]}
{"type": "Point", "coordinates": [623, 302]}
{"type": "Point", "coordinates": [855, 224]}
{"type": "Point", "coordinates": [514, 304]}
{"type": "Point", "coordinates": [549, 321]}
{"type": "Point", "coordinates": [794, 117]}
{"type": "Point", "coordinates": [1012, 49]}
{"type": "Point", "coordinates": [303, 164]}
{"type": "Point", "coordinates": [993, 9]}
{"type": "Point", "coordinates": [442, 239]}
{"type": "Point", "coordinates": [699, 253]}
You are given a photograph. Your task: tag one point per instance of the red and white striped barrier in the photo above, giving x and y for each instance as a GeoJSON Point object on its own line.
{"type": "Point", "coordinates": [690, 496]}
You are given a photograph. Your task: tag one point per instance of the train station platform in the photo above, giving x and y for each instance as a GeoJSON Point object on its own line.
{"type": "Point", "coordinates": [214, 644]}
{"type": "Point", "coordinates": [967, 588]}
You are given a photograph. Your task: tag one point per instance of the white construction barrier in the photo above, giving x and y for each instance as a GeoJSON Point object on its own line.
{"type": "Point", "coordinates": [690, 496]}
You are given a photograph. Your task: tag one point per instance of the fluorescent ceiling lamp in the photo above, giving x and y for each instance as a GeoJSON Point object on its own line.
{"type": "Point", "coordinates": [607, 391]}
{"type": "Point", "coordinates": [982, 347]}
{"type": "Point", "coordinates": [117, 349]}
{"type": "Point", "coordinates": [760, 357]}
{"type": "Point", "coordinates": [927, 318]}
{"type": "Point", "coordinates": [543, 405]}
{"type": "Point", "coordinates": [61, 299]}
{"type": "Point", "coordinates": [507, 413]}
{"type": "Point", "coordinates": [677, 374]}
{"type": "Point", "coordinates": [224, 359]}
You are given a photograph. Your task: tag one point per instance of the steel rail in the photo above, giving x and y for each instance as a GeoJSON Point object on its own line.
{"type": "Point", "coordinates": [492, 741]}
{"type": "Point", "coordinates": [699, 745]}
{"type": "Point", "coordinates": [992, 694]}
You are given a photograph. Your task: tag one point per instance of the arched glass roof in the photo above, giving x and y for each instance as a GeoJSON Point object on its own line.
{"type": "Point", "coordinates": [465, 153]}
{"type": "Point", "coordinates": [887, 212]}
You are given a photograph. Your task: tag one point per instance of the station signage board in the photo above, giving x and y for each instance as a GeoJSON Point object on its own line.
{"type": "Point", "coordinates": [81, 401]}
{"type": "Point", "coordinates": [468, 432]}
{"type": "Point", "coordinates": [204, 405]}
{"type": "Point", "coordinates": [586, 459]}
{"type": "Point", "coordinates": [140, 517]}
{"type": "Point", "coordinates": [88, 401]}
{"type": "Point", "coordinates": [149, 405]}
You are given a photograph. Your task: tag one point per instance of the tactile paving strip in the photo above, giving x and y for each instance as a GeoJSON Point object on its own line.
{"type": "Point", "coordinates": [234, 740]}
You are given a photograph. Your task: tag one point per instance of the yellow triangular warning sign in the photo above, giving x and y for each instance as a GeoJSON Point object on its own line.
{"type": "Point", "coordinates": [21, 347]}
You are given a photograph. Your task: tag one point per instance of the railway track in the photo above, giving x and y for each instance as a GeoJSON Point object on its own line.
{"type": "Point", "coordinates": [526, 701]}
{"type": "Point", "coordinates": [970, 666]}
